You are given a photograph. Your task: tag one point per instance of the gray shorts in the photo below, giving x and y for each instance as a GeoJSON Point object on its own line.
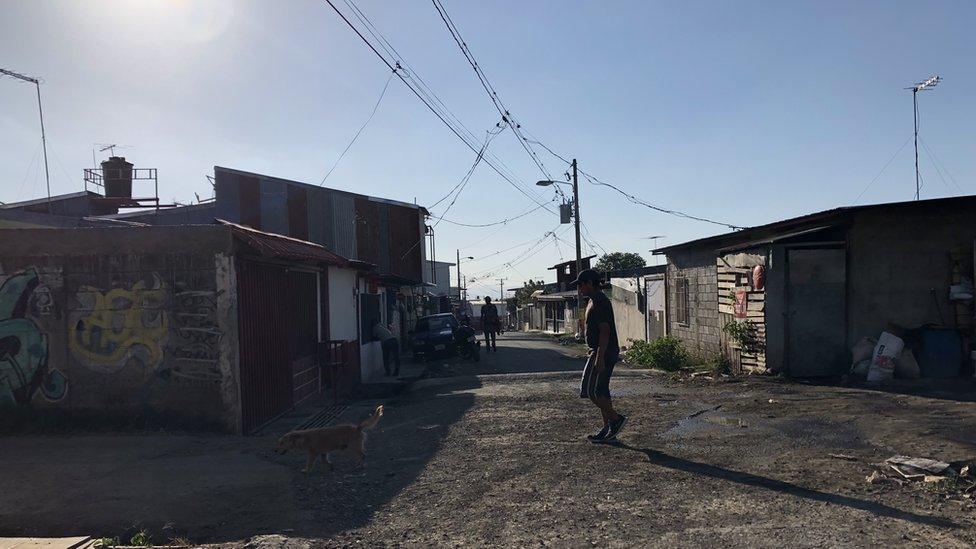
{"type": "Point", "coordinates": [595, 383]}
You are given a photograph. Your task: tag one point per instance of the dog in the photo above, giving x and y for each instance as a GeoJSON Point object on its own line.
{"type": "Point", "coordinates": [325, 440]}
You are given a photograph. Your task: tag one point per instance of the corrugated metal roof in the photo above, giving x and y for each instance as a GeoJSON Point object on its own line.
{"type": "Point", "coordinates": [284, 247]}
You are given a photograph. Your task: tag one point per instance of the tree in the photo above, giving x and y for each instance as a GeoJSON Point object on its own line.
{"type": "Point", "coordinates": [523, 296]}
{"type": "Point", "coordinates": [616, 261]}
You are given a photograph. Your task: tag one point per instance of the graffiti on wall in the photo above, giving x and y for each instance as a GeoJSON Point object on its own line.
{"type": "Point", "coordinates": [109, 329]}
{"type": "Point", "coordinates": [196, 341]}
{"type": "Point", "coordinates": [23, 348]}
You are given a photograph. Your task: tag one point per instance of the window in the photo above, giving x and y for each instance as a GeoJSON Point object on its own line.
{"type": "Point", "coordinates": [682, 301]}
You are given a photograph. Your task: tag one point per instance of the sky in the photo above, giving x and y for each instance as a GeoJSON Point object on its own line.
{"type": "Point", "coordinates": [741, 112]}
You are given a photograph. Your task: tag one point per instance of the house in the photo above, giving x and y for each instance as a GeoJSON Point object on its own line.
{"type": "Point", "coordinates": [385, 235]}
{"type": "Point", "coordinates": [637, 296]}
{"type": "Point", "coordinates": [210, 326]}
{"type": "Point", "coordinates": [438, 290]}
{"type": "Point", "coordinates": [802, 291]}
{"type": "Point", "coordinates": [558, 304]}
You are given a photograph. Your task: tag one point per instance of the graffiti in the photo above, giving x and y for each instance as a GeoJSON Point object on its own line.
{"type": "Point", "coordinates": [43, 300]}
{"type": "Point", "coordinates": [109, 329]}
{"type": "Point", "coordinates": [23, 348]}
{"type": "Point", "coordinates": [196, 345]}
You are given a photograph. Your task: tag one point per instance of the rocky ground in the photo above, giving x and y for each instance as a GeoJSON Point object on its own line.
{"type": "Point", "coordinates": [499, 458]}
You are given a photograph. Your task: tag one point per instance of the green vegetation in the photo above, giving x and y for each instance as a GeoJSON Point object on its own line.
{"type": "Point", "coordinates": [666, 353]}
{"type": "Point", "coordinates": [107, 542]}
{"type": "Point", "coordinates": [141, 539]}
{"type": "Point", "coordinates": [616, 261]}
{"type": "Point", "coordinates": [740, 332]}
{"type": "Point", "coordinates": [523, 296]}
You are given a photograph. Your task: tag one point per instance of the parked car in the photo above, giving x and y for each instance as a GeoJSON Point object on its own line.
{"type": "Point", "coordinates": [434, 336]}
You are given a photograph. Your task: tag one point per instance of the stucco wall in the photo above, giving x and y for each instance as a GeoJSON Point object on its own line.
{"type": "Point", "coordinates": [343, 321]}
{"type": "Point", "coordinates": [701, 336]}
{"type": "Point", "coordinates": [627, 317]}
{"type": "Point", "coordinates": [121, 321]}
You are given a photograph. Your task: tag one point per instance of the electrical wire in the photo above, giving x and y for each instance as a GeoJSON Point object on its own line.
{"type": "Point", "coordinates": [486, 84]}
{"type": "Point", "coordinates": [464, 180]}
{"type": "Point", "coordinates": [423, 93]}
{"type": "Point", "coordinates": [502, 222]}
{"type": "Point", "coordinates": [634, 199]}
{"type": "Point", "coordinates": [361, 128]}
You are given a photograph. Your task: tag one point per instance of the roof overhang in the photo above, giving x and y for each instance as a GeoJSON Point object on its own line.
{"type": "Point", "coordinates": [283, 247]}
{"type": "Point", "coordinates": [772, 239]}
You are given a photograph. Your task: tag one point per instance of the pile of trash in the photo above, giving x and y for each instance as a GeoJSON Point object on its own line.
{"type": "Point", "coordinates": [905, 469]}
{"type": "Point", "coordinates": [882, 359]}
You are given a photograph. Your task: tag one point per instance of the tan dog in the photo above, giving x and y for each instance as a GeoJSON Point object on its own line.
{"type": "Point", "coordinates": [323, 441]}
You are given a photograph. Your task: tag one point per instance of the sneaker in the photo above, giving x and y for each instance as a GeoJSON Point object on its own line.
{"type": "Point", "coordinates": [599, 436]}
{"type": "Point", "coordinates": [615, 427]}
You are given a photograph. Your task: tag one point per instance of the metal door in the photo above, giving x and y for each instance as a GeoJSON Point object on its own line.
{"type": "Point", "coordinates": [654, 312]}
{"type": "Point", "coordinates": [279, 333]}
{"type": "Point", "coordinates": [816, 312]}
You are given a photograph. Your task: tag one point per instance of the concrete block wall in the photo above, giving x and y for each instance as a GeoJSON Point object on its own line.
{"type": "Point", "coordinates": [702, 335]}
{"type": "Point", "coordinates": [135, 327]}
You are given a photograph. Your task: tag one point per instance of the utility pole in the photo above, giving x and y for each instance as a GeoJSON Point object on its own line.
{"type": "Point", "coordinates": [501, 289]}
{"type": "Point", "coordinates": [921, 86]}
{"type": "Point", "coordinates": [40, 112]}
{"type": "Point", "coordinates": [579, 251]}
{"type": "Point", "coordinates": [459, 272]}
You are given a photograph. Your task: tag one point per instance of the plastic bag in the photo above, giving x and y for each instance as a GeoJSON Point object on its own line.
{"type": "Point", "coordinates": [906, 367]}
{"type": "Point", "coordinates": [885, 352]}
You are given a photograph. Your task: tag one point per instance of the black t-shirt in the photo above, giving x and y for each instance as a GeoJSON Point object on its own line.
{"type": "Point", "coordinates": [597, 312]}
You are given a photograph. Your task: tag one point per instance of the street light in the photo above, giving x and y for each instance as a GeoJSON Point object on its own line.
{"type": "Point", "coordinates": [579, 249]}
{"type": "Point", "coordinates": [459, 272]}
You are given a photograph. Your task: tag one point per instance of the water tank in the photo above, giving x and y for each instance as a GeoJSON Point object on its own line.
{"type": "Point", "coordinates": [117, 174]}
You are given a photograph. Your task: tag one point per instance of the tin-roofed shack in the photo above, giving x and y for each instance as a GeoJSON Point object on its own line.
{"type": "Point", "coordinates": [806, 289]}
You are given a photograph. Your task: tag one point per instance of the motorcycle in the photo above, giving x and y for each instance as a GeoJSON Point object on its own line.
{"type": "Point", "coordinates": [467, 342]}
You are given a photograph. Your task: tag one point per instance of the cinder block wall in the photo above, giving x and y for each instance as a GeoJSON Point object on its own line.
{"type": "Point", "coordinates": [133, 322]}
{"type": "Point", "coordinates": [702, 335]}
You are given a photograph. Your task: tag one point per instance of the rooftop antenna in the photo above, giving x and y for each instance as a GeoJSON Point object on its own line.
{"type": "Point", "coordinates": [40, 112]}
{"type": "Point", "coordinates": [654, 238]}
{"type": "Point", "coordinates": [920, 86]}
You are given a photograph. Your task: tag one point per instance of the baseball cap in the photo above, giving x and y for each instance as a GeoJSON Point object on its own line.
{"type": "Point", "coordinates": [587, 275]}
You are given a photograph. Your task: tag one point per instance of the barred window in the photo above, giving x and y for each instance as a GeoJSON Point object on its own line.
{"type": "Point", "coordinates": [682, 301]}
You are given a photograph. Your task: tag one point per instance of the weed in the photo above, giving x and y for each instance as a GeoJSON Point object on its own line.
{"type": "Point", "coordinates": [742, 333]}
{"type": "Point", "coordinates": [107, 542]}
{"type": "Point", "coordinates": [666, 353]}
{"type": "Point", "coordinates": [141, 538]}
{"type": "Point", "coordinates": [716, 365]}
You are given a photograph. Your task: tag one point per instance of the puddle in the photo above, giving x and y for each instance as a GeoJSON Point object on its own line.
{"type": "Point", "coordinates": [705, 424]}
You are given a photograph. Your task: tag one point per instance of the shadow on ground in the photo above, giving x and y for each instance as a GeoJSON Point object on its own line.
{"type": "Point", "coordinates": [672, 462]}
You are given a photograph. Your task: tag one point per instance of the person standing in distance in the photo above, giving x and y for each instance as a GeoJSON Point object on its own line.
{"type": "Point", "coordinates": [601, 338]}
{"type": "Point", "coordinates": [489, 323]}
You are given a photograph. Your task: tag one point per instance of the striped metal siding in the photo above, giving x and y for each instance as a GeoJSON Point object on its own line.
{"type": "Point", "coordinates": [343, 225]}
{"type": "Point", "coordinates": [383, 235]}
{"type": "Point", "coordinates": [274, 206]}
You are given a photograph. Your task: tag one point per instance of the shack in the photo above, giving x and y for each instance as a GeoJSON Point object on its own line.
{"type": "Point", "coordinates": [794, 296]}
{"type": "Point", "coordinates": [209, 326]}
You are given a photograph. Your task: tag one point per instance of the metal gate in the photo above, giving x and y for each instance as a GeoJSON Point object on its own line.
{"type": "Point", "coordinates": [278, 327]}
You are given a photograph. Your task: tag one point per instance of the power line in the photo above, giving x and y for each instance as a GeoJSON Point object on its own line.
{"type": "Point", "coordinates": [502, 222]}
{"type": "Point", "coordinates": [361, 128]}
{"type": "Point", "coordinates": [637, 200]}
{"type": "Point", "coordinates": [424, 94]}
{"type": "Point", "coordinates": [464, 180]}
{"type": "Point", "coordinates": [486, 84]}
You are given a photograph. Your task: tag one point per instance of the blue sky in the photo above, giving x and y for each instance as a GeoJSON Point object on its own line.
{"type": "Point", "coordinates": [745, 112]}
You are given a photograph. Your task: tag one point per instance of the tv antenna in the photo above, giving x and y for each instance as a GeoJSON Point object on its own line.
{"type": "Point", "coordinates": [40, 112]}
{"type": "Point", "coordinates": [920, 86]}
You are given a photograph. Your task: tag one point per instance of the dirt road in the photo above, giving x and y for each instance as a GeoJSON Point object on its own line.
{"type": "Point", "coordinates": [499, 459]}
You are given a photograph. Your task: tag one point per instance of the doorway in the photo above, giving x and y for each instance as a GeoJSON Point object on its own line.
{"type": "Point", "coordinates": [816, 312]}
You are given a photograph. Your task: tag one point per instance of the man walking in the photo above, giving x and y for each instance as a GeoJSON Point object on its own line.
{"type": "Point", "coordinates": [601, 338]}
{"type": "Point", "coordinates": [390, 346]}
{"type": "Point", "coordinates": [489, 323]}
